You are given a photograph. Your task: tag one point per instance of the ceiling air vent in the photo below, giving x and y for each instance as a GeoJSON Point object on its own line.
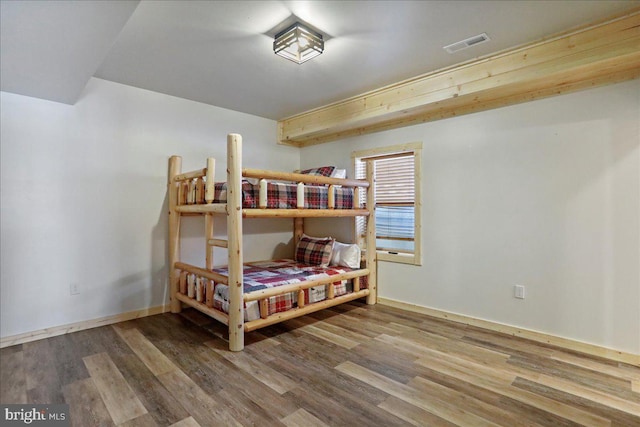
{"type": "Point", "coordinates": [471, 41]}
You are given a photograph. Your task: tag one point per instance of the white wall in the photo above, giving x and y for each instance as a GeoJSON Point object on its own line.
{"type": "Point", "coordinates": [544, 194]}
{"type": "Point", "coordinates": [84, 199]}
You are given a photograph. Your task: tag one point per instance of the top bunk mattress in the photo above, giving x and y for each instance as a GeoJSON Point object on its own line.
{"type": "Point", "coordinates": [284, 195]}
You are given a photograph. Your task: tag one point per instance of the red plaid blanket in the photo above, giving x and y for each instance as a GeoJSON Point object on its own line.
{"type": "Point", "coordinates": [248, 194]}
{"type": "Point", "coordinates": [269, 274]}
{"type": "Point", "coordinates": [284, 195]}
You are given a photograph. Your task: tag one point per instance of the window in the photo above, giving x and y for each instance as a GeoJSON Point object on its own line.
{"type": "Point", "coordinates": [397, 194]}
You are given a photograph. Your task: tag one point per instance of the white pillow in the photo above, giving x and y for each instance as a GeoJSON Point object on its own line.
{"type": "Point", "coordinates": [345, 255]}
{"type": "Point", "coordinates": [339, 173]}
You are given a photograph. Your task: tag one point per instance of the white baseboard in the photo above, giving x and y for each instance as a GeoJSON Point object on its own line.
{"type": "Point", "coordinates": [79, 326]}
{"type": "Point", "coordinates": [569, 344]}
{"type": "Point", "coordinates": [574, 345]}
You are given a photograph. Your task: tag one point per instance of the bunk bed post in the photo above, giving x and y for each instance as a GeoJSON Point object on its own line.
{"type": "Point", "coordinates": [371, 235]}
{"type": "Point", "coordinates": [208, 233]}
{"type": "Point", "coordinates": [298, 229]}
{"type": "Point", "coordinates": [210, 189]}
{"type": "Point", "coordinates": [209, 196]}
{"type": "Point", "coordinates": [208, 238]}
{"type": "Point", "coordinates": [208, 219]}
{"type": "Point", "coordinates": [234, 231]}
{"type": "Point", "coordinates": [175, 168]}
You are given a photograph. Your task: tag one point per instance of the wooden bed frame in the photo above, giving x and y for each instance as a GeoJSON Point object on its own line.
{"type": "Point", "coordinates": [200, 187]}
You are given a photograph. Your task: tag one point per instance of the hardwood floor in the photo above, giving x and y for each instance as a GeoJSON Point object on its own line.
{"type": "Point", "coordinates": [350, 365]}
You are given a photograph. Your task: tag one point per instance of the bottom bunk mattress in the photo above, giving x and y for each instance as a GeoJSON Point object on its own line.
{"type": "Point", "coordinates": [269, 274]}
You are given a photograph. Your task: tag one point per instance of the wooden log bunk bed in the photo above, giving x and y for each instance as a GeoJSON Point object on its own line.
{"type": "Point", "coordinates": [195, 193]}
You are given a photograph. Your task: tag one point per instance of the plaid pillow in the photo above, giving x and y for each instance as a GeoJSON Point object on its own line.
{"type": "Point", "coordinates": [314, 251]}
{"type": "Point", "coordinates": [321, 171]}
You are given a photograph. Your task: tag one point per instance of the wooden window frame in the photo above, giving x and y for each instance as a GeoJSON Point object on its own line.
{"type": "Point", "coordinates": [414, 258]}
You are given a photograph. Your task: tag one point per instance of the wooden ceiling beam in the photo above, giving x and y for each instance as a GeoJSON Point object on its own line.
{"type": "Point", "coordinates": [589, 57]}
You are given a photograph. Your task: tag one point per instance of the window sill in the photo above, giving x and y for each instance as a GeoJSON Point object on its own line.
{"type": "Point", "coordinates": [401, 258]}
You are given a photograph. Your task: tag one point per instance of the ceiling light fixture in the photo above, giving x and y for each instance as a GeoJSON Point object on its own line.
{"type": "Point", "coordinates": [298, 43]}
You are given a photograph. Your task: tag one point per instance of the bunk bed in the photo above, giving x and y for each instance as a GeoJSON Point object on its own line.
{"type": "Point", "coordinates": [235, 294]}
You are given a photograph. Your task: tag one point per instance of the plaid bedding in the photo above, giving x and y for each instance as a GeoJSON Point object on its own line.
{"type": "Point", "coordinates": [249, 195]}
{"type": "Point", "coordinates": [314, 251]}
{"type": "Point", "coordinates": [269, 274]}
{"type": "Point", "coordinates": [284, 195]}
{"type": "Point", "coordinates": [321, 171]}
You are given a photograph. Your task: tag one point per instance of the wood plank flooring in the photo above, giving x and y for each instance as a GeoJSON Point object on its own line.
{"type": "Point", "coordinates": [351, 365]}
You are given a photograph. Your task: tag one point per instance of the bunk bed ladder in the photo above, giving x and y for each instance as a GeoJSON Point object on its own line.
{"type": "Point", "coordinates": [218, 243]}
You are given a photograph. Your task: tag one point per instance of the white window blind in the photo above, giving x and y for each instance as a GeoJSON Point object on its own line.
{"type": "Point", "coordinates": [395, 200]}
{"type": "Point", "coordinates": [395, 180]}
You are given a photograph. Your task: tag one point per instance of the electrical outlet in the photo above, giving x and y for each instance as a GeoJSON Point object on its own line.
{"type": "Point", "coordinates": [518, 291]}
{"type": "Point", "coordinates": [74, 289]}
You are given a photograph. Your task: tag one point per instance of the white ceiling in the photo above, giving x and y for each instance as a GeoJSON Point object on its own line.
{"type": "Point", "coordinates": [50, 49]}
{"type": "Point", "coordinates": [220, 52]}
